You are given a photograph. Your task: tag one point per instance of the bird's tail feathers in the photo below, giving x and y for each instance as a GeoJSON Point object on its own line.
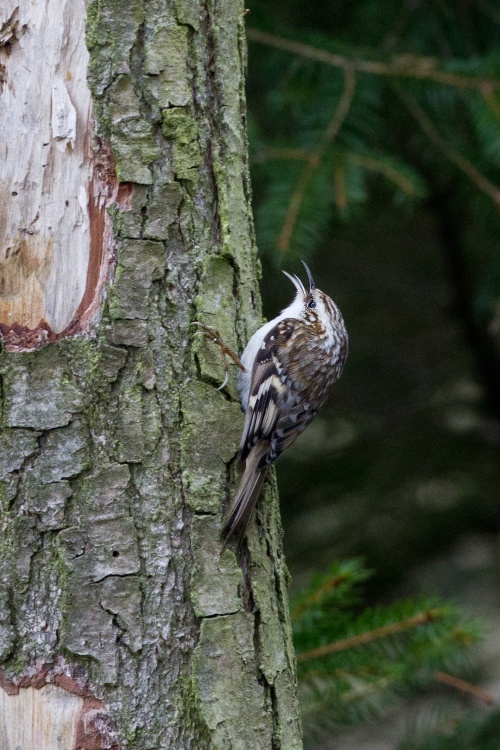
{"type": "Point", "coordinates": [240, 512]}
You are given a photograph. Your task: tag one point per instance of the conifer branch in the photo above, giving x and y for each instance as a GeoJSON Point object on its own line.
{"type": "Point", "coordinates": [318, 595]}
{"type": "Point", "coordinates": [401, 66]}
{"type": "Point", "coordinates": [376, 165]}
{"type": "Point", "coordinates": [465, 166]}
{"type": "Point", "coordinates": [315, 158]}
{"type": "Point", "coordinates": [368, 636]}
{"type": "Point", "coordinates": [370, 163]}
{"type": "Point", "coordinates": [466, 687]}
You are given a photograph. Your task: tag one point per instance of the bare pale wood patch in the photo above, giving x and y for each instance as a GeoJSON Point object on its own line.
{"type": "Point", "coordinates": [54, 228]}
{"type": "Point", "coordinates": [53, 710]}
{"type": "Point", "coordinates": [53, 715]}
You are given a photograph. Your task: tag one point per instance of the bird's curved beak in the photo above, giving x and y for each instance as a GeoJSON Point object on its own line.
{"type": "Point", "coordinates": [312, 285]}
{"type": "Point", "coordinates": [299, 286]}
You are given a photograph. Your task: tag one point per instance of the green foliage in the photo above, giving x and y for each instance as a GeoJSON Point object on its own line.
{"type": "Point", "coordinates": [364, 105]}
{"type": "Point", "coordinates": [447, 728]}
{"type": "Point", "coordinates": [354, 661]}
{"type": "Point", "coordinates": [423, 115]}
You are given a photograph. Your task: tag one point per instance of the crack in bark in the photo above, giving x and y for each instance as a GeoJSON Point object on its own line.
{"type": "Point", "coordinates": [219, 616]}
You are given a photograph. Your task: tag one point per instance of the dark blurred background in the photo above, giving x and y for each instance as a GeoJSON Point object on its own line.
{"type": "Point", "coordinates": [380, 166]}
{"type": "Point", "coordinates": [404, 459]}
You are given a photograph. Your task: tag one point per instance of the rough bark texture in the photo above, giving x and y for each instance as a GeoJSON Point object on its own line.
{"type": "Point", "coordinates": [120, 624]}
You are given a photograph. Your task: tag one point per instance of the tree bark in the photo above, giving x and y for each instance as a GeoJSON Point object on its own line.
{"type": "Point", "coordinates": [121, 624]}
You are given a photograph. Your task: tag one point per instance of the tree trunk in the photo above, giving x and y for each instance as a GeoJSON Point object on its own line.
{"type": "Point", "coordinates": [125, 217]}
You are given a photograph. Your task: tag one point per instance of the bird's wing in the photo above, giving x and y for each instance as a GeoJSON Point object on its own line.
{"type": "Point", "coordinates": [275, 412]}
{"type": "Point", "coordinates": [267, 390]}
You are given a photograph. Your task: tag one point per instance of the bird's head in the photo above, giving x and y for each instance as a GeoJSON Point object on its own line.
{"type": "Point", "coordinates": [312, 304]}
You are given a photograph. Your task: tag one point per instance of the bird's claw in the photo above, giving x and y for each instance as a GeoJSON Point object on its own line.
{"type": "Point", "coordinates": [226, 378]}
{"type": "Point", "coordinates": [214, 335]}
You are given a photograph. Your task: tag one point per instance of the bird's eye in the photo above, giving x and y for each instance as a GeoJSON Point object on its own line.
{"type": "Point", "coordinates": [312, 303]}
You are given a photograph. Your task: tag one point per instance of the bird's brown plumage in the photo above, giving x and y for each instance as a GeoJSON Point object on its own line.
{"type": "Point", "coordinates": [292, 361]}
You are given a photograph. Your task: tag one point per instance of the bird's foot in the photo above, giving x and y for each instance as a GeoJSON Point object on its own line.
{"type": "Point", "coordinates": [214, 335]}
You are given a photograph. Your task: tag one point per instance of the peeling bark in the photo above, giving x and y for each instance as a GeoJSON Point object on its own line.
{"type": "Point", "coordinates": [117, 453]}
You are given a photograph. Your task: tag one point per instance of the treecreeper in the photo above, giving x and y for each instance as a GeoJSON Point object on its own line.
{"type": "Point", "coordinates": [286, 372]}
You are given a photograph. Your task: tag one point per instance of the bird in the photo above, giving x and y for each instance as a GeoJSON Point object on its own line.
{"type": "Point", "coordinates": [286, 372]}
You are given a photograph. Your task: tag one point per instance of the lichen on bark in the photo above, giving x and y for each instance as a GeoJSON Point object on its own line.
{"type": "Point", "coordinates": [119, 452]}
